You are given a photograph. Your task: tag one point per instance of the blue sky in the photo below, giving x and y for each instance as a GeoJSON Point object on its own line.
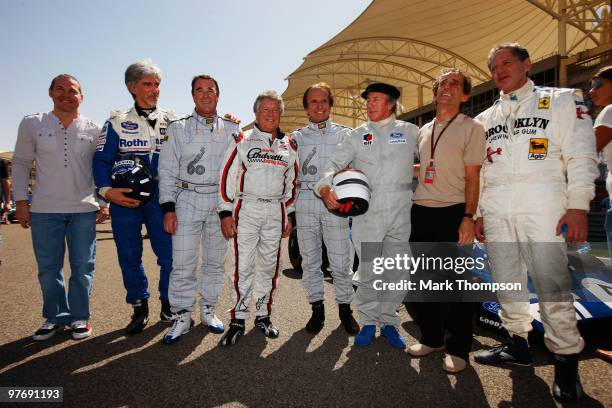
{"type": "Point", "coordinates": [248, 46]}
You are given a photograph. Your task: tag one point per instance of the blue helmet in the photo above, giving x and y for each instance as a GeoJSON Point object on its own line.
{"type": "Point", "coordinates": [133, 173]}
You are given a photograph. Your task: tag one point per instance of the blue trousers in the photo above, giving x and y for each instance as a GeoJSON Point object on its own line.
{"type": "Point", "coordinates": [50, 234]}
{"type": "Point", "coordinates": [127, 226]}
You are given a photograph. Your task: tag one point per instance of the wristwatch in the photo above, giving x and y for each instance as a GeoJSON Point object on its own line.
{"type": "Point", "coordinates": [468, 215]}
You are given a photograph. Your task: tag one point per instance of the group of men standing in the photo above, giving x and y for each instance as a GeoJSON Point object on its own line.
{"type": "Point", "coordinates": [216, 183]}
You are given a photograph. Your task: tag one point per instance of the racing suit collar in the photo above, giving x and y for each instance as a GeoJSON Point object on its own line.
{"type": "Point", "coordinates": [321, 126]}
{"type": "Point", "coordinates": [261, 133]}
{"type": "Point", "coordinates": [205, 120]}
{"type": "Point", "coordinates": [384, 122]}
{"type": "Point", "coordinates": [149, 114]}
{"type": "Point", "coordinates": [520, 94]}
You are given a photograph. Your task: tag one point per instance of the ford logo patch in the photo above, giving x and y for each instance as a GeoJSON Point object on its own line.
{"type": "Point", "coordinates": [492, 307]}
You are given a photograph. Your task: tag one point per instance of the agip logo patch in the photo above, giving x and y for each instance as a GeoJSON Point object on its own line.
{"type": "Point", "coordinates": [538, 148]}
{"type": "Point", "coordinates": [544, 102]}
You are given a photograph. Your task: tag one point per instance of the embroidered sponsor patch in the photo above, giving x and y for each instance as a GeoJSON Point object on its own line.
{"type": "Point", "coordinates": [322, 125]}
{"type": "Point", "coordinates": [581, 111]}
{"type": "Point", "coordinates": [122, 166]}
{"type": "Point", "coordinates": [129, 125]}
{"type": "Point", "coordinates": [538, 148]}
{"type": "Point", "coordinates": [368, 139]}
{"type": "Point", "coordinates": [397, 138]}
{"type": "Point", "coordinates": [544, 102]}
{"type": "Point", "coordinates": [162, 130]}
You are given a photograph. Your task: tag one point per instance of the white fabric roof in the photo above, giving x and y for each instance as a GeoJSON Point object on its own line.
{"type": "Point", "coordinates": [407, 42]}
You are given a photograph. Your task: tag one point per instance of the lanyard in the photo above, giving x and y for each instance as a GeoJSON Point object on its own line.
{"type": "Point", "coordinates": [433, 134]}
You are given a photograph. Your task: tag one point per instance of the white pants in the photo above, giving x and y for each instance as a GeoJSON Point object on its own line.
{"type": "Point", "coordinates": [259, 226]}
{"type": "Point", "coordinates": [517, 243]}
{"type": "Point", "coordinates": [198, 223]}
{"type": "Point", "coordinates": [316, 225]}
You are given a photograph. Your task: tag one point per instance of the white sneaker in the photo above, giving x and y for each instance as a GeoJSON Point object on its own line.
{"type": "Point", "coordinates": [46, 331]}
{"type": "Point", "coordinates": [81, 329]}
{"type": "Point", "coordinates": [210, 320]}
{"type": "Point", "coordinates": [182, 324]}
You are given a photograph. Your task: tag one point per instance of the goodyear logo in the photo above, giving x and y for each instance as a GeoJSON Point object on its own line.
{"type": "Point", "coordinates": [544, 102]}
{"type": "Point", "coordinates": [538, 148]}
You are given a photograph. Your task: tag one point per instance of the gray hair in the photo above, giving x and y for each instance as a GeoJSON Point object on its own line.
{"type": "Point", "coordinates": [395, 103]}
{"type": "Point", "coordinates": [140, 69]}
{"type": "Point", "coordinates": [517, 50]}
{"type": "Point", "coordinates": [270, 94]}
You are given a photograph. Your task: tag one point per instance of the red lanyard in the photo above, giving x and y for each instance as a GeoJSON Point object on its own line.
{"type": "Point", "coordinates": [433, 134]}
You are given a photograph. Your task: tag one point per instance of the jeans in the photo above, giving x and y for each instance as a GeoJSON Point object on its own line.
{"type": "Point", "coordinates": [127, 227]}
{"type": "Point", "coordinates": [608, 227]}
{"type": "Point", "coordinates": [50, 233]}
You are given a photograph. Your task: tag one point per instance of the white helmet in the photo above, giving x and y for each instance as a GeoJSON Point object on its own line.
{"type": "Point", "coordinates": [353, 190]}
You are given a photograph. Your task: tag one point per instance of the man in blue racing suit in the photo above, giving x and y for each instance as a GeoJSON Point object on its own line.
{"type": "Point", "coordinates": [137, 133]}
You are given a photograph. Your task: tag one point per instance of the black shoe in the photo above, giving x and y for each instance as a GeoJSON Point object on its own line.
{"type": "Point", "coordinates": [315, 324]}
{"type": "Point", "coordinates": [346, 317]}
{"type": "Point", "coordinates": [140, 318]}
{"type": "Point", "coordinates": [567, 386]}
{"type": "Point", "coordinates": [515, 350]}
{"type": "Point", "coordinates": [266, 326]}
{"type": "Point", "coordinates": [166, 314]}
{"type": "Point", "coordinates": [235, 331]}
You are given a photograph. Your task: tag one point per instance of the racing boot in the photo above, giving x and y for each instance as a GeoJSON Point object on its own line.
{"type": "Point", "coordinates": [567, 386]}
{"type": "Point", "coordinates": [315, 324]}
{"type": "Point", "coordinates": [140, 318]}
{"type": "Point", "coordinates": [166, 314]}
{"type": "Point", "coordinates": [182, 324]}
{"type": "Point", "coordinates": [210, 319]}
{"type": "Point", "coordinates": [233, 334]}
{"type": "Point", "coordinates": [266, 326]}
{"type": "Point", "coordinates": [393, 337]}
{"type": "Point", "coordinates": [346, 317]}
{"type": "Point", "coordinates": [365, 335]}
{"type": "Point", "coordinates": [515, 350]}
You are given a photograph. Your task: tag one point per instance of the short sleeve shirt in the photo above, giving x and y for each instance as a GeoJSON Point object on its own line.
{"type": "Point", "coordinates": [462, 144]}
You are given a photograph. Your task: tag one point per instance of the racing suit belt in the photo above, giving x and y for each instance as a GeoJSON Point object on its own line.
{"type": "Point", "coordinates": [198, 188]}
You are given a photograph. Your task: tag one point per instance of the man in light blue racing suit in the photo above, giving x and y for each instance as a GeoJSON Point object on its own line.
{"type": "Point", "coordinates": [315, 223]}
{"type": "Point", "coordinates": [188, 192]}
{"type": "Point", "coordinates": [383, 149]}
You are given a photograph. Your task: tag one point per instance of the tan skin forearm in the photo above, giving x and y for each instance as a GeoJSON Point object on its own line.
{"type": "Point", "coordinates": [603, 135]}
{"type": "Point", "coordinates": [472, 188]}
{"type": "Point", "coordinates": [416, 168]}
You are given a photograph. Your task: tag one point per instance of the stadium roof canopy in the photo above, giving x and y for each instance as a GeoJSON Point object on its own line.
{"type": "Point", "coordinates": [407, 42]}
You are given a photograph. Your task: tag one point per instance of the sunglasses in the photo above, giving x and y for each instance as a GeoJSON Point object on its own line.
{"type": "Point", "coordinates": [596, 84]}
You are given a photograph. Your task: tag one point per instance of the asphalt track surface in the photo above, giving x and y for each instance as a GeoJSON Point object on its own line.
{"type": "Point", "coordinates": [297, 369]}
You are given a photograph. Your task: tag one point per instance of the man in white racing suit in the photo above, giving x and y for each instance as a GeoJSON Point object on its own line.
{"type": "Point", "coordinates": [188, 193]}
{"type": "Point", "coordinates": [538, 179]}
{"type": "Point", "coordinates": [315, 223]}
{"type": "Point", "coordinates": [257, 191]}
{"type": "Point", "coordinates": [383, 149]}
